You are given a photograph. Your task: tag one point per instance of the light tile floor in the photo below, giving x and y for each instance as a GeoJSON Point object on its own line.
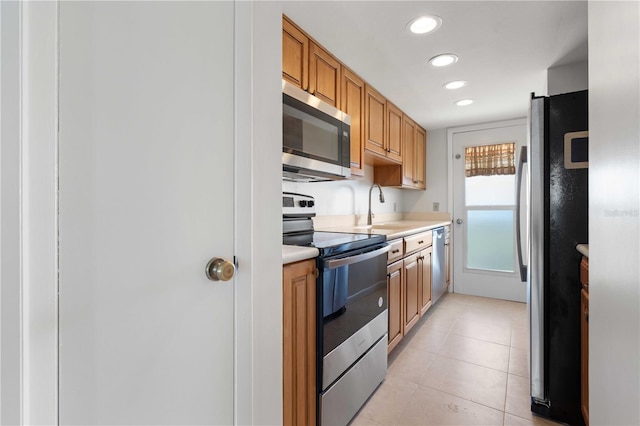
{"type": "Point", "coordinates": [464, 363]}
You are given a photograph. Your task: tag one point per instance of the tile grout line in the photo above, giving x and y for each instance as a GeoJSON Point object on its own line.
{"type": "Point", "coordinates": [458, 396]}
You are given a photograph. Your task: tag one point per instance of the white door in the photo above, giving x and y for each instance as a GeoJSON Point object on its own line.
{"type": "Point", "coordinates": [145, 200]}
{"type": "Point", "coordinates": [484, 217]}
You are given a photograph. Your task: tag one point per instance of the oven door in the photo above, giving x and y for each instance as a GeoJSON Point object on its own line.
{"type": "Point", "coordinates": [353, 307]}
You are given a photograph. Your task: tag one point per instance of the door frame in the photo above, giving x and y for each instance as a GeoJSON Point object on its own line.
{"type": "Point", "coordinates": [29, 228]}
{"type": "Point", "coordinates": [28, 234]}
{"type": "Point", "coordinates": [450, 195]}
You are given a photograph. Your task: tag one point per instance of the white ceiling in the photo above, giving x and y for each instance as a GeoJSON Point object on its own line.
{"type": "Point", "coordinates": [505, 49]}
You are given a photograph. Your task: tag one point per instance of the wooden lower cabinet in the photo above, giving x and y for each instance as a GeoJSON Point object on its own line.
{"type": "Point", "coordinates": [424, 279]}
{"type": "Point", "coordinates": [394, 297]}
{"type": "Point", "coordinates": [584, 355]}
{"type": "Point", "coordinates": [409, 284]}
{"type": "Point", "coordinates": [299, 343]}
{"type": "Point", "coordinates": [411, 299]}
{"type": "Point", "coordinates": [584, 339]}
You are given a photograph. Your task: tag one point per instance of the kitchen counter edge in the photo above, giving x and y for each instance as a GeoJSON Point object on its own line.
{"type": "Point", "coordinates": [291, 254]}
{"type": "Point", "coordinates": [583, 249]}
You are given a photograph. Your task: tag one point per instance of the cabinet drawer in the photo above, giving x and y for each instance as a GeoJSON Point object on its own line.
{"type": "Point", "coordinates": [418, 241]}
{"type": "Point", "coordinates": [395, 250]}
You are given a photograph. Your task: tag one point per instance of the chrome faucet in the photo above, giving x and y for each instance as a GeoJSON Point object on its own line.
{"type": "Point", "coordinates": [381, 200]}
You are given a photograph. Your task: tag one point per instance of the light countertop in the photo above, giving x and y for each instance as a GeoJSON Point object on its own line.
{"type": "Point", "coordinates": [292, 254]}
{"type": "Point", "coordinates": [393, 229]}
{"type": "Point", "coordinates": [584, 249]}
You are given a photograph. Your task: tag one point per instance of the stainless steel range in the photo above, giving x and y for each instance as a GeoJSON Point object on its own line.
{"type": "Point", "coordinates": [352, 310]}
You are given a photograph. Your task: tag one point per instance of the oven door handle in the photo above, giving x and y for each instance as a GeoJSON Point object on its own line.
{"type": "Point", "coordinates": [335, 263]}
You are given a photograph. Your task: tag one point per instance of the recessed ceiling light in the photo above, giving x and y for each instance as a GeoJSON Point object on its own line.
{"type": "Point", "coordinates": [464, 102]}
{"type": "Point", "coordinates": [455, 84]}
{"type": "Point", "coordinates": [443, 60]}
{"type": "Point", "coordinates": [424, 24]}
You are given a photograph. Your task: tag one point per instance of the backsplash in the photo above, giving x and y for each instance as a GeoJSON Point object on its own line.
{"type": "Point", "coordinates": [348, 197]}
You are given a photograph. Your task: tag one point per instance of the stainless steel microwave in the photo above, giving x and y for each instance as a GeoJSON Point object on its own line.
{"type": "Point", "coordinates": [315, 138]}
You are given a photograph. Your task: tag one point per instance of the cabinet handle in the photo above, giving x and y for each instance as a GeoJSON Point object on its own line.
{"type": "Point", "coordinates": [421, 242]}
{"type": "Point", "coordinates": [395, 251]}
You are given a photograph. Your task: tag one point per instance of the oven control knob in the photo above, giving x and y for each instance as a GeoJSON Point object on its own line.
{"type": "Point", "coordinates": [303, 203]}
{"type": "Point", "coordinates": [311, 203]}
{"type": "Point", "coordinates": [220, 270]}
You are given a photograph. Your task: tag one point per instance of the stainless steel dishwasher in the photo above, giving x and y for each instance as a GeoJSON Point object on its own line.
{"type": "Point", "coordinates": [437, 266]}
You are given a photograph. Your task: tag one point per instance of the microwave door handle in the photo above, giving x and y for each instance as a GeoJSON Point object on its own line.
{"type": "Point", "coordinates": [335, 263]}
{"type": "Point", "coordinates": [521, 163]}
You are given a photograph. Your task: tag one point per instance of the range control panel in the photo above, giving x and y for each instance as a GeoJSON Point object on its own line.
{"type": "Point", "coordinates": [297, 205]}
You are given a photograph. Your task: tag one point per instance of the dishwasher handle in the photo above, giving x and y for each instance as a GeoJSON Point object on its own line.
{"type": "Point", "coordinates": [335, 263]}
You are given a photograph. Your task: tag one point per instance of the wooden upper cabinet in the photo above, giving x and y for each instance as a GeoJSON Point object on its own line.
{"type": "Point", "coordinates": [383, 129]}
{"type": "Point", "coordinates": [295, 55]}
{"type": "Point", "coordinates": [375, 121]}
{"type": "Point", "coordinates": [352, 102]}
{"type": "Point", "coordinates": [412, 172]}
{"type": "Point", "coordinates": [409, 159]}
{"type": "Point", "coordinates": [394, 132]}
{"type": "Point", "coordinates": [324, 75]}
{"type": "Point", "coordinates": [421, 158]}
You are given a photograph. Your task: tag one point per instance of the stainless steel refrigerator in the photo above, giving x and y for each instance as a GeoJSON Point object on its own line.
{"type": "Point", "coordinates": [555, 166]}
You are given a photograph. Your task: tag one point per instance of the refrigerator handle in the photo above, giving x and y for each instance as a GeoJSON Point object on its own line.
{"type": "Point", "coordinates": [521, 163]}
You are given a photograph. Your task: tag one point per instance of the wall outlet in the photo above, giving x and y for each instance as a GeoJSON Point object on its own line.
{"type": "Point", "coordinates": [436, 206]}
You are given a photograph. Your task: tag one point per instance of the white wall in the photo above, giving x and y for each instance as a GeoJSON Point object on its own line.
{"type": "Point", "coordinates": [437, 189]}
{"type": "Point", "coordinates": [568, 78]}
{"type": "Point", "coordinates": [614, 202]}
{"type": "Point", "coordinates": [348, 197]}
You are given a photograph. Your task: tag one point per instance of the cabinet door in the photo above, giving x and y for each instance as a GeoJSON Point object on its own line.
{"type": "Point", "coordinates": [584, 355]}
{"type": "Point", "coordinates": [324, 75]}
{"type": "Point", "coordinates": [295, 55]}
{"type": "Point", "coordinates": [420, 161]}
{"type": "Point", "coordinates": [299, 343]}
{"type": "Point", "coordinates": [394, 132]}
{"type": "Point", "coordinates": [424, 282]}
{"type": "Point", "coordinates": [409, 160]}
{"type": "Point", "coordinates": [410, 289]}
{"type": "Point", "coordinates": [374, 121]}
{"type": "Point", "coordinates": [394, 289]}
{"type": "Point", "coordinates": [353, 104]}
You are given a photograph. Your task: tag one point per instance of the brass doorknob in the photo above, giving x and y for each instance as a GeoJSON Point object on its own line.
{"type": "Point", "coordinates": [219, 269]}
